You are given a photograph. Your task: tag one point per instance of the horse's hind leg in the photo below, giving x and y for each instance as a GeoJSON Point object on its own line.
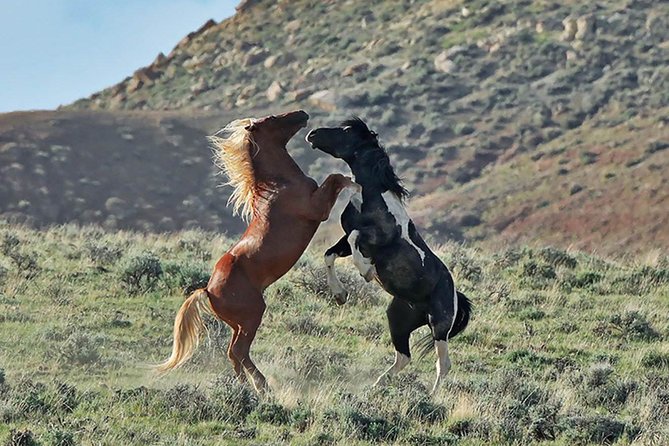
{"type": "Point", "coordinates": [241, 347]}
{"type": "Point", "coordinates": [236, 363]}
{"type": "Point", "coordinates": [441, 315]}
{"type": "Point", "coordinates": [340, 249]}
{"type": "Point", "coordinates": [402, 320]}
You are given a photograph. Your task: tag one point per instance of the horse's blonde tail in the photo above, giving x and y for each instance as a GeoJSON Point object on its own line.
{"type": "Point", "coordinates": [188, 325]}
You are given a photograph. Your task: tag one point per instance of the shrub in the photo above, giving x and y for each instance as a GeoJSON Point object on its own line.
{"type": "Point", "coordinates": [301, 417]}
{"type": "Point", "coordinates": [21, 438]}
{"type": "Point", "coordinates": [594, 428]}
{"type": "Point", "coordinates": [185, 402]}
{"type": "Point", "coordinates": [60, 438]}
{"type": "Point", "coordinates": [103, 254]}
{"type": "Point", "coordinates": [4, 272]}
{"type": "Point", "coordinates": [272, 413]}
{"type": "Point", "coordinates": [632, 325]}
{"type": "Point", "coordinates": [652, 360]}
{"type": "Point", "coordinates": [598, 387]}
{"type": "Point", "coordinates": [534, 269]}
{"type": "Point", "coordinates": [557, 257]}
{"type": "Point", "coordinates": [186, 276]}
{"type": "Point", "coordinates": [141, 272]}
{"type": "Point", "coordinates": [81, 348]}
{"type": "Point", "coordinates": [584, 279]}
{"type": "Point", "coordinates": [234, 400]}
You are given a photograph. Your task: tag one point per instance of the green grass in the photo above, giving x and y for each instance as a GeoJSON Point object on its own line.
{"type": "Point", "coordinates": [564, 348]}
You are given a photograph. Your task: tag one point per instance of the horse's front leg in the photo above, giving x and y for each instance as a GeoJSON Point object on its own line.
{"type": "Point", "coordinates": [339, 249]}
{"type": "Point", "coordinates": [362, 263]}
{"type": "Point", "coordinates": [323, 199]}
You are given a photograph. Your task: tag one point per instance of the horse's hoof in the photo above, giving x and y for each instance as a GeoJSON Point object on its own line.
{"type": "Point", "coordinates": [369, 275]}
{"type": "Point", "coordinates": [340, 298]}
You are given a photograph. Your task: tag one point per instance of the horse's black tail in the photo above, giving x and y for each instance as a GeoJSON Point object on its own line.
{"type": "Point", "coordinates": [426, 343]}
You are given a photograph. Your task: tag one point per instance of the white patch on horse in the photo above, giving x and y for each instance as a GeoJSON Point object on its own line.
{"type": "Point", "coordinates": [401, 361]}
{"type": "Point", "coordinates": [335, 285]}
{"type": "Point", "coordinates": [443, 362]}
{"type": "Point", "coordinates": [362, 263]}
{"type": "Point", "coordinates": [396, 208]}
{"type": "Point", "coordinates": [353, 194]}
{"type": "Point", "coordinates": [455, 308]}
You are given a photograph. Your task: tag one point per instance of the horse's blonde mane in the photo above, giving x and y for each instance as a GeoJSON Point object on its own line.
{"type": "Point", "coordinates": [232, 154]}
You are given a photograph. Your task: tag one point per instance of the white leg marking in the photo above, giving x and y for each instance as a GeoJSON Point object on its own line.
{"type": "Point", "coordinates": [335, 285]}
{"type": "Point", "coordinates": [401, 361]}
{"type": "Point", "coordinates": [455, 307]}
{"type": "Point", "coordinates": [356, 199]}
{"type": "Point", "coordinates": [443, 362]}
{"type": "Point", "coordinates": [352, 194]}
{"type": "Point", "coordinates": [396, 208]}
{"type": "Point", "coordinates": [361, 262]}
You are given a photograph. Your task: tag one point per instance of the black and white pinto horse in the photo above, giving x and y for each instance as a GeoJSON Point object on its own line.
{"type": "Point", "coordinates": [385, 246]}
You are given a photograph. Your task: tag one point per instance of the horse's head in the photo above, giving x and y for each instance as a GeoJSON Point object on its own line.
{"type": "Point", "coordinates": [344, 142]}
{"type": "Point", "coordinates": [277, 129]}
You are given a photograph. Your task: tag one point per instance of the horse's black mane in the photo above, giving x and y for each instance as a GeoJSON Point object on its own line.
{"type": "Point", "coordinates": [376, 157]}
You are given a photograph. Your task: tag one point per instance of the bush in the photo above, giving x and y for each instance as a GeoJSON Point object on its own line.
{"type": "Point", "coordinates": [272, 413]}
{"type": "Point", "coordinates": [633, 326]}
{"type": "Point", "coordinates": [81, 349]}
{"type": "Point", "coordinates": [557, 257]}
{"type": "Point", "coordinates": [103, 254]}
{"type": "Point", "coordinates": [652, 360]}
{"type": "Point", "coordinates": [186, 276]}
{"type": "Point", "coordinates": [60, 438]}
{"type": "Point", "coordinates": [141, 272]}
{"type": "Point", "coordinates": [234, 400]}
{"type": "Point", "coordinates": [301, 418]}
{"type": "Point", "coordinates": [21, 438]}
{"type": "Point", "coordinates": [598, 387]}
{"type": "Point", "coordinates": [594, 428]}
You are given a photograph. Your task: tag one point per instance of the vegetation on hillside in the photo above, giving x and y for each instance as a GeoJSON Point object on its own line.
{"type": "Point", "coordinates": [465, 95]}
{"type": "Point", "coordinates": [563, 349]}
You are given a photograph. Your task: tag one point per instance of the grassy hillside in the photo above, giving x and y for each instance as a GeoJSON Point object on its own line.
{"type": "Point", "coordinates": [563, 349]}
{"type": "Point", "coordinates": [465, 95]}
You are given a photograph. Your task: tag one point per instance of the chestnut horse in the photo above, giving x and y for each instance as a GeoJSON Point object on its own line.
{"type": "Point", "coordinates": [284, 206]}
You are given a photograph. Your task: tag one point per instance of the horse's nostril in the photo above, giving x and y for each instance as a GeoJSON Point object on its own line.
{"type": "Point", "coordinates": [310, 135]}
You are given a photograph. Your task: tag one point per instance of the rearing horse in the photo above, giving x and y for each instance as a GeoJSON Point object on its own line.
{"type": "Point", "coordinates": [284, 206]}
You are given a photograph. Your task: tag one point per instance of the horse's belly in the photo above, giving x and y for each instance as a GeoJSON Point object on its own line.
{"type": "Point", "coordinates": [402, 277]}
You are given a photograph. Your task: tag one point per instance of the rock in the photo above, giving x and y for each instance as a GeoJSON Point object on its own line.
{"type": "Point", "coordinates": [274, 91]}
{"type": "Point", "coordinates": [324, 99]}
{"type": "Point", "coordinates": [539, 27]}
{"type": "Point", "coordinates": [200, 86]}
{"type": "Point", "coordinates": [455, 50]}
{"type": "Point", "coordinates": [115, 205]}
{"type": "Point", "coordinates": [443, 63]}
{"type": "Point", "coordinates": [159, 61]}
{"type": "Point", "coordinates": [278, 60]}
{"type": "Point", "coordinates": [271, 61]}
{"type": "Point", "coordinates": [292, 26]}
{"type": "Point", "coordinates": [142, 78]}
{"type": "Point", "coordinates": [255, 56]}
{"type": "Point", "coordinates": [245, 5]}
{"type": "Point", "coordinates": [465, 12]}
{"type": "Point", "coordinates": [656, 24]}
{"type": "Point", "coordinates": [208, 24]}
{"type": "Point", "coordinates": [134, 84]}
{"type": "Point", "coordinates": [298, 95]}
{"type": "Point", "coordinates": [354, 68]}
{"type": "Point", "coordinates": [585, 27]}
{"type": "Point", "coordinates": [569, 29]}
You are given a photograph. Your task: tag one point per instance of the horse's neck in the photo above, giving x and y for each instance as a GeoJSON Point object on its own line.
{"type": "Point", "coordinates": [278, 170]}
